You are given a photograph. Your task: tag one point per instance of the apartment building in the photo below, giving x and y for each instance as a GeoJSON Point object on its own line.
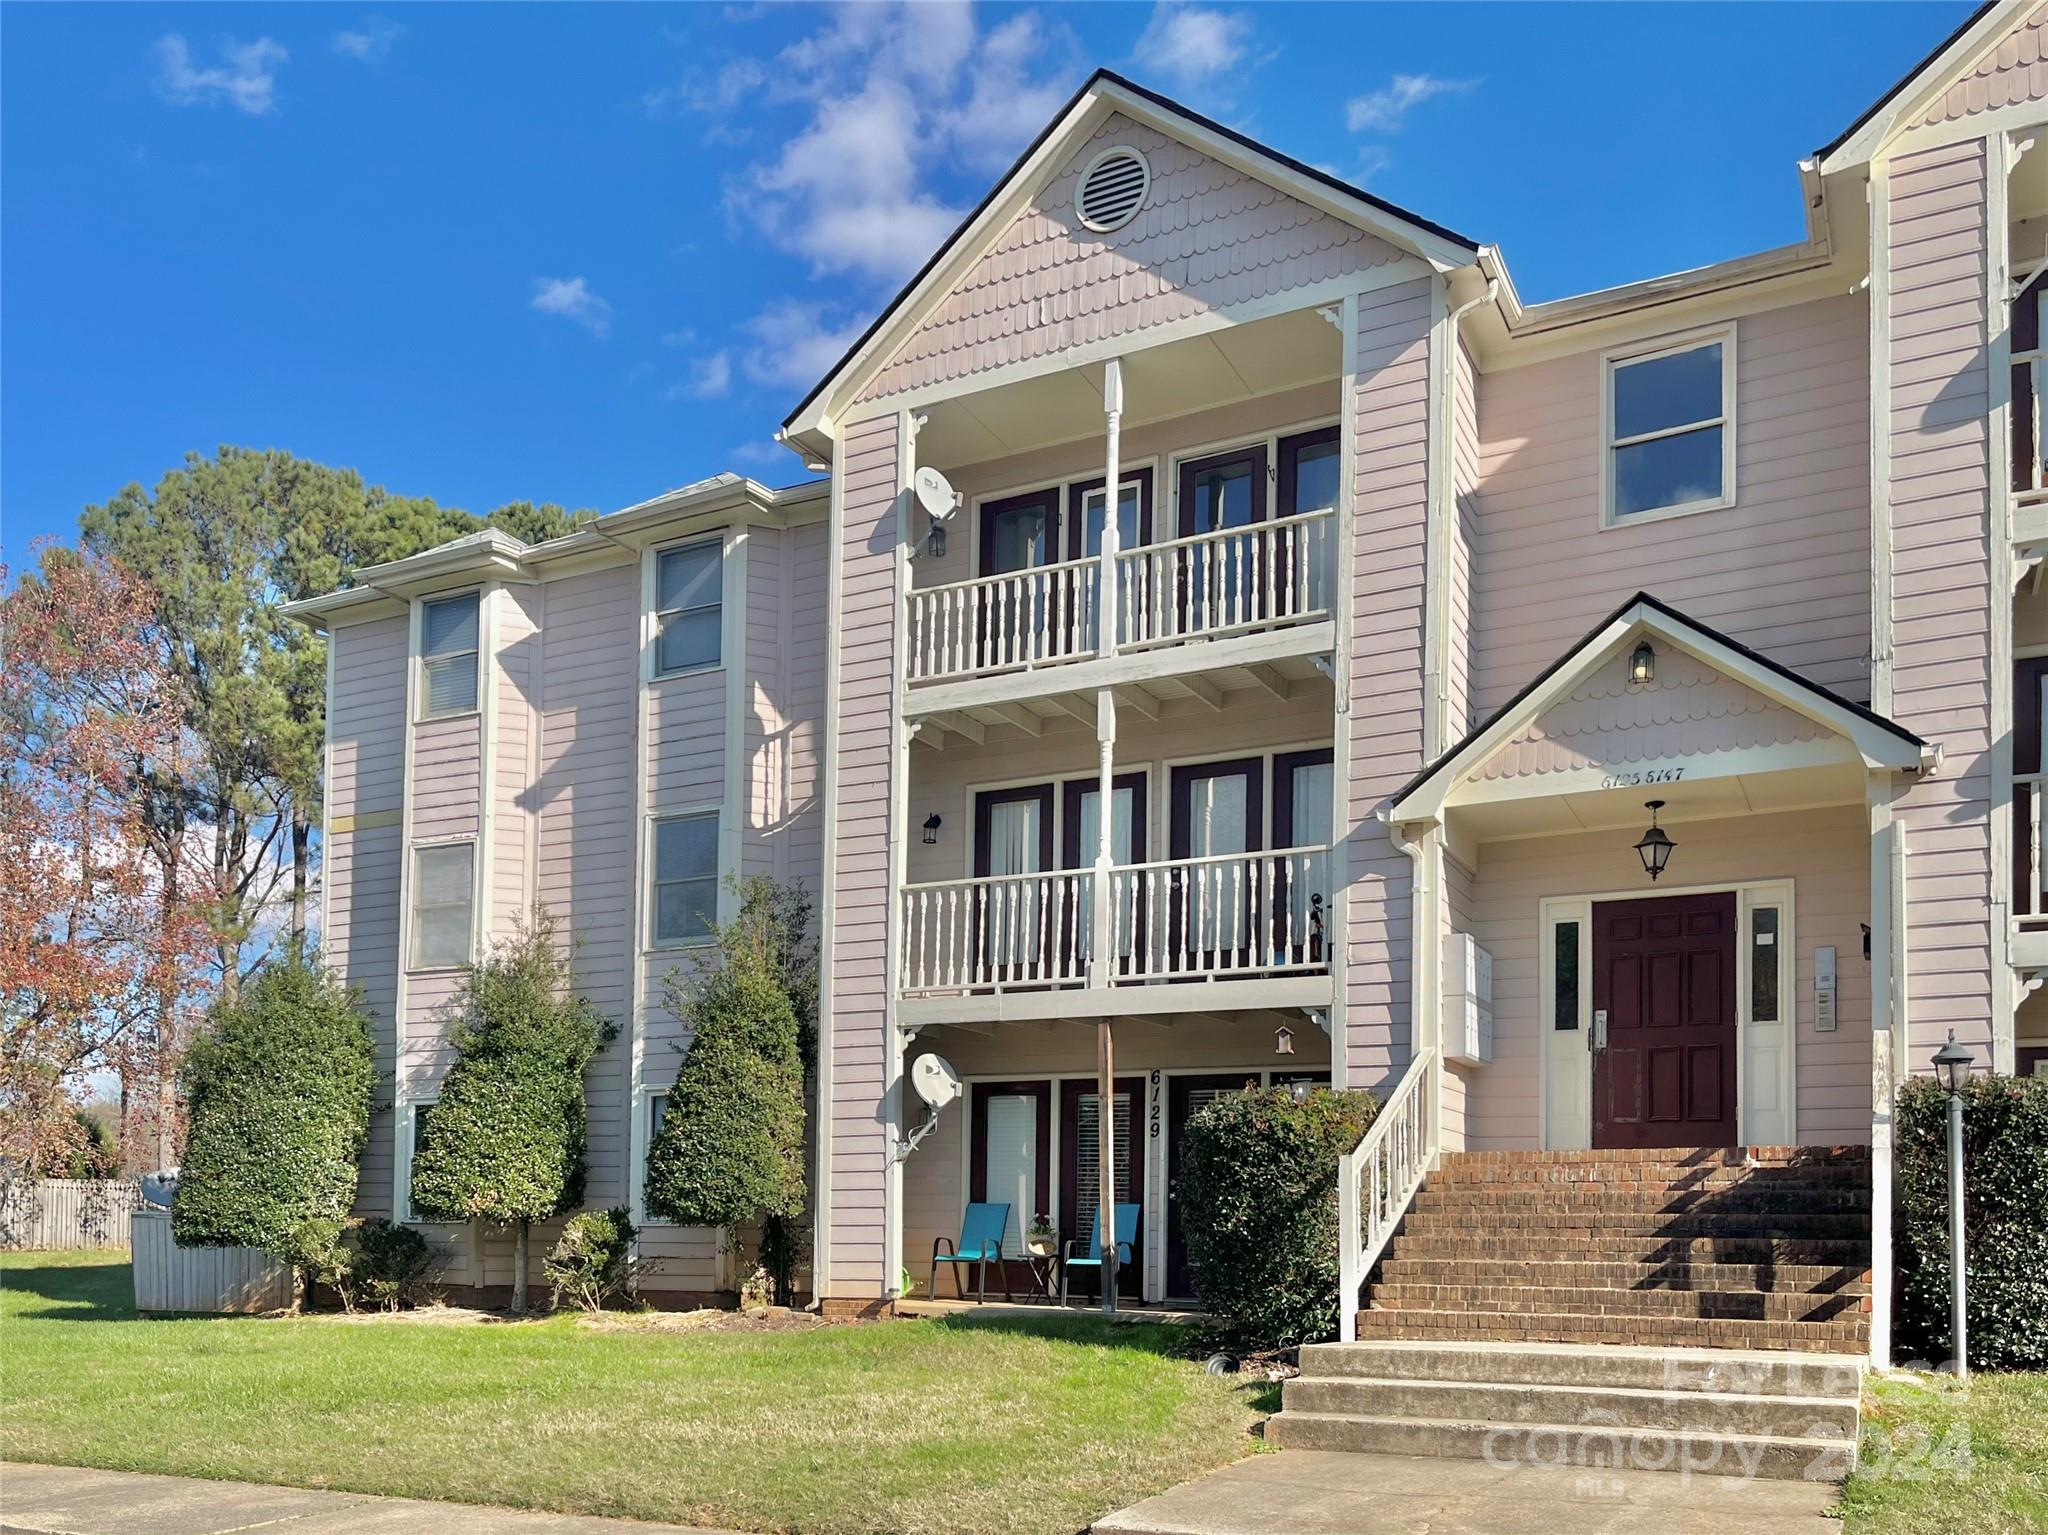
{"type": "Point", "coordinates": [1609, 724]}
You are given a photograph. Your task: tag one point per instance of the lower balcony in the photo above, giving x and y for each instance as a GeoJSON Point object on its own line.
{"type": "Point", "coordinates": [1184, 935]}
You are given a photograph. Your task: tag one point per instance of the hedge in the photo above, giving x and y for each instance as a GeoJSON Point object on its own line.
{"type": "Point", "coordinates": [1258, 1210]}
{"type": "Point", "coordinates": [279, 1093]}
{"type": "Point", "coordinates": [2005, 1221]}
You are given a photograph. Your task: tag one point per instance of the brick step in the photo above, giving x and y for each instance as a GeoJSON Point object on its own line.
{"type": "Point", "coordinates": [1790, 1279]}
{"type": "Point", "coordinates": [1538, 1245]}
{"type": "Point", "coordinates": [1841, 1334]}
{"type": "Point", "coordinates": [1546, 1444]}
{"type": "Point", "coordinates": [1504, 1403]}
{"type": "Point", "coordinates": [1732, 1225]}
{"type": "Point", "coordinates": [1542, 1174]}
{"type": "Point", "coordinates": [1517, 1300]}
{"type": "Point", "coordinates": [1680, 1159]}
{"type": "Point", "coordinates": [1735, 1203]}
{"type": "Point", "coordinates": [1778, 1373]}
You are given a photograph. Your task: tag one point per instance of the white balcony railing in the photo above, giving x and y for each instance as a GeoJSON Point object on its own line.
{"type": "Point", "coordinates": [2030, 904]}
{"type": "Point", "coordinates": [1378, 1179]}
{"type": "Point", "coordinates": [1235, 581]}
{"type": "Point", "coordinates": [1228, 582]}
{"type": "Point", "coordinates": [1219, 918]}
{"type": "Point", "coordinates": [2029, 385]}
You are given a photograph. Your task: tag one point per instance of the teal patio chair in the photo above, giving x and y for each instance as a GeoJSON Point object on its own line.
{"type": "Point", "coordinates": [1126, 1245]}
{"type": "Point", "coordinates": [981, 1242]}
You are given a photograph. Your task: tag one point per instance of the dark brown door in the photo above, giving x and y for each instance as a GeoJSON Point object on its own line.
{"type": "Point", "coordinates": [1302, 785]}
{"type": "Point", "coordinates": [1018, 920]}
{"type": "Point", "coordinates": [1080, 1169]}
{"type": "Point", "coordinates": [1184, 1096]}
{"type": "Point", "coordinates": [1213, 902]}
{"type": "Point", "coordinates": [1217, 587]}
{"type": "Point", "coordinates": [1010, 1157]}
{"type": "Point", "coordinates": [1017, 533]}
{"type": "Point", "coordinates": [1664, 973]}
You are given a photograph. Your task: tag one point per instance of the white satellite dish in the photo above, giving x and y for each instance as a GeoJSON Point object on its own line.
{"type": "Point", "coordinates": [935, 1081]}
{"type": "Point", "coordinates": [935, 493]}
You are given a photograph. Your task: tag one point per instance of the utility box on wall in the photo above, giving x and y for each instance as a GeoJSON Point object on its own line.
{"type": "Point", "coordinates": [1468, 1001]}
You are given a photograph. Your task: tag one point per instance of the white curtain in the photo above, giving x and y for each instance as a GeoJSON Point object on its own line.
{"type": "Point", "coordinates": [1011, 1167]}
{"type": "Point", "coordinates": [1218, 819]}
{"type": "Point", "coordinates": [1014, 848]}
{"type": "Point", "coordinates": [1313, 787]}
{"type": "Point", "coordinates": [1120, 846]}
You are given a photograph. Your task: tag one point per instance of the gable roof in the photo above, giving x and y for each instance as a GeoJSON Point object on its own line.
{"type": "Point", "coordinates": [1104, 91]}
{"type": "Point", "coordinates": [1982, 28]}
{"type": "Point", "coordinates": [1883, 742]}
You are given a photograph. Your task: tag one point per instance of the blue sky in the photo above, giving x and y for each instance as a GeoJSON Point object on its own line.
{"type": "Point", "coordinates": [586, 253]}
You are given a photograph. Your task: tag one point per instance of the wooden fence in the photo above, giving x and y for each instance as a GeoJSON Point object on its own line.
{"type": "Point", "coordinates": [46, 1213]}
{"type": "Point", "coordinates": [213, 1279]}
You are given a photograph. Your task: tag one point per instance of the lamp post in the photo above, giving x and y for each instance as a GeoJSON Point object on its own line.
{"type": "Point", "coordinates": [1952, 1065]}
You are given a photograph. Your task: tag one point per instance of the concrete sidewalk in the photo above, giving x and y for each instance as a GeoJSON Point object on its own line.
{"type": "Point", "coordinates": [1309, 1492]}
{"type": "Point", "coordinates": [63, 1500]}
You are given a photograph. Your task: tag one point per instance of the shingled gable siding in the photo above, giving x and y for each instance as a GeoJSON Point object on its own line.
{"type": "Point", "coordinates": [1209, 237]}
{"type": "Point", "coordinates": [2015, 71]}
{"type": "Point", "coordinates": [366, 781]}
{"type": "Point", "coordinates": [1390, 411]}
{"type": "Point", "coordinates": [1941, 597]}
{"type": "Point", "coordinates": [858, 757]}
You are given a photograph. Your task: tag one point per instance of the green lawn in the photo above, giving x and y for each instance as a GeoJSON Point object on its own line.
{"type": "Point", "coordinates": [1916, 1478]}
{"type": "Point", "coordinates": [919, 1426]}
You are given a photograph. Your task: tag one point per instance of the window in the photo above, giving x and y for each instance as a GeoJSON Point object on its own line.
{"type": "Point", "coordinates": [1564, 1013]}
{"type": "Point", "coordinates": [419, 1113]}
{"type": "Point", "coordinates": [1670, 429]}
{"type": "Point", "coordinates": [685, 878]}
{"type": "Point", "coordinates": [689, 598]}
{"type": "Point", "coordinates": [657, 1111]}
{"type": "Point", "coordinates": [443, 903]}
{"type": "Point", "coordinates": [448, 655]}
{"type": "Point", "coordinates": [1763, 965]}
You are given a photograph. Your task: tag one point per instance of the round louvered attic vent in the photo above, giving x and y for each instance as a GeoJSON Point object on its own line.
{"type": "Point", "coordinates": [1113, 189]}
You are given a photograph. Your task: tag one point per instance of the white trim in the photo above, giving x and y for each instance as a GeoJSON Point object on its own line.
{"type": "Point", "coordinates": [1274, 994]}
{"type": "Point", "coordinates": [1336, 916]}
{"type": "Point", "coordinates": [401, 1197]}
{"type": "Point", "coordinates": [1998, 167]}
{"type": "Point", "coordinates": [413, 850]}
{"type": "Point", "coordinates": [821, 1192]}
{"type": "Point", "coordinates": [732, 643]}
{"type": "Point", "coordinates": [653, 553]}
{"type": "Point", "coordinates": [1436, 541]}
{"type": "Point", "coordinates": [1569, 1126]}
{"type": "Point", "coordinates": [1915, 94]}
{"type": "Point", "coordinates": [1880, 319]}
{"type": "Point", "coordinates": [2014, 117]}
{"type": "Point", "coordinates": [420, 605]}
{"type": "Point", "coordinates": [896, 865]}
{"type": "Point", "coordinates": [326, 789]}
{"type": "Point", "coordinates": [483, 921]}
{"type": "Point", "coordinates": [1615, 358]}
{"type": "Point", "coordinates": [649, 944]}
{"type": "Point", "coordinates": [403, 1213]}
{"type": "Point", "coordinates": [636, 902]}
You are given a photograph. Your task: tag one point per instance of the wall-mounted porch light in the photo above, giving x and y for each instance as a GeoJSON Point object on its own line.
{"type": "Point", "coordinates": [1655, 847]}
{"type": "Point", "coordinates": [932, 823]}
{"type": "Point", "coordinates": [1642, 666]}
{"type": "Point", "coordinates": [1283, 1040]}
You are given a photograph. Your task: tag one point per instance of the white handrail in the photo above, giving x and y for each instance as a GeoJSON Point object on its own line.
{"type": "Point", "coordinates": [1226, 581]}
{"type": "Point", "coordinates": [1377, 1180]}
{"type": "Point", "coordinates": [1021, 618]}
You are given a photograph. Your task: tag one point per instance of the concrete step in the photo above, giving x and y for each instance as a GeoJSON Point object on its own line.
{"type": "Point", "coordinates": [1818, 1458]}
{"type": "Point", "coordinates": [1523, 1297]}
{"type": "Point", "coordinates": [1589, 1406]}
{"type": "Point", "coordinates": [1682, 1274]}
{"type": "Point", "coordinates": [1426, 1242]}
{"type": "Point", "coordinates": [1755, 1373]}
{"type": "Point", "coordinates": [1842, 1334]}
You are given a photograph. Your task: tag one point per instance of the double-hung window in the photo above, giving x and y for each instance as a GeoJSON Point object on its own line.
{"type": "Point", "coordinates": [1670, 429]}
{"type": "Point", "coordinates": [689, 598]}
{"type": "Point", "coordinates": [685, 904]}
{"type": "Point", "coordinates": [443, 904]}
{"type": "Point", "coordinates": [448, 655]}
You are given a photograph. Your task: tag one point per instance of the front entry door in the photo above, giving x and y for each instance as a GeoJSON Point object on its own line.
{"type": "Point", "coordinates": [1081, 1169]}
{"type": "Point", "coordinates": [1664, 975]}
{"type": "Point", "coordinates": [1185, 1096]}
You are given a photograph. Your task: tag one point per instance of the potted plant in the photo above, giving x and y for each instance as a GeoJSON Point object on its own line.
{"type": "Point", "coordinates": [1040, 1240]}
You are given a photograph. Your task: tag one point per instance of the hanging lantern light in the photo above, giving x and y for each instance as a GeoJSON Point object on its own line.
{"type": "Point", "coordinates": [1655, 847]}
{"type": "Point", "coordinates": [1642, 666]}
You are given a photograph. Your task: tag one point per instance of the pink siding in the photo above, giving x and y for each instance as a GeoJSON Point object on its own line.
{"type": "Point", "coordinates": [859, 757]}
{"type": "Point", "coordinates": [1464, 537]}
{"type": "Point", "coordinates": [806, 603]}
{"type": "Point", "coordinates": [1941, 597]}
{"type": "Point", "coordinates": [1390, 412]}
{"type": "Point", "coordinates": [1209, 237]}
{"type": "Point", "coordinates": [514, 755]}
{"type": "Point", "coordinates": [1458, 917]}
{"type": "Point", "coordinates": [764, 681]}
{"type": "Point", "coordinates": [1786, 569]}
{"type": "Point", "coordinates": [366, 734]}
{"type": "Point", "coordinates": [590, 683]}
{"type": "Point", "coordinates": [2016, 70]}
{"type": "Point", "coordinates": [447, 778]}
{"type": "Point", "coordinates": [1825, 853]}
{"type": "Point", "coordinates": [1691, 710]}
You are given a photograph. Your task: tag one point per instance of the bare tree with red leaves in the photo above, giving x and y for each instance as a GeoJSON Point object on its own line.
{"type": "Point", "coordinates": [103, 899]}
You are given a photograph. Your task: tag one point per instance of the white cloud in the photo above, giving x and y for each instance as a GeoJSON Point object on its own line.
{"type": "Point", "coordinates": [1190, 45]}
{"type": "Point", "coordinates": [246, 77]}
{"type": "Point", "coordinates": [795, 345]}
{"type": "Point", "coordinates": [1383, 110]}
{"type": "Point", "coordinates": [572, 299]}
{"type": "Point", "coordinates": [710, 379]}
{"type": "Point", "coordinates": [683, 337]}
{"type": "Point", "coordinates": [371, 42]}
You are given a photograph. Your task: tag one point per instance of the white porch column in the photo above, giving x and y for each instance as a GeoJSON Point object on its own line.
{"type": "Point", "coordinates": [1888, 1034]}
{"type": "Point", "coordinates": [1106, 583]}
{"type": "Point", "coordinates": [1101, 913]}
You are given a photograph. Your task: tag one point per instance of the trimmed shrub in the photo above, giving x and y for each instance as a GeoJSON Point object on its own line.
{"type": "Point", "coordinates": [1258, 1210]}
{"type": "Point", "coordinates": [505, 1142]}
{"type": "Point", "coordinates": [592, 1263]}
{"type": "Point", "coordinates": [731, 1147]}
{"type": "Point", "coordinates": [279, 1093]}
{"type": "Point", "coordinates": [387, 1265]}
{"type": "Point", "coordinates": [2005, 1220]}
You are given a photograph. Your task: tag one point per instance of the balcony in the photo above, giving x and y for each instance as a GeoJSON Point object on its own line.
{"type": "Point", "coordinates": [1248, 594]}
{"type": "Point", "coordinates": [1022, 945]}
{"type": "Point", "coordinates": [2030, 903]}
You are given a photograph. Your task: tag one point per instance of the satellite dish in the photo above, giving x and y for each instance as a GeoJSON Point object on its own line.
{"type": "Point", "coordinates": [935, 494]}
{"type": "Point", "coordinates": [935, 1081]}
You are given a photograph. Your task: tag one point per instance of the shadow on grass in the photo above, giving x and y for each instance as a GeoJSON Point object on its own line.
{"type": "Point", "coordinates": [70, 1292]}
{"type": "Point", "coordinates": [1165, 1339]}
